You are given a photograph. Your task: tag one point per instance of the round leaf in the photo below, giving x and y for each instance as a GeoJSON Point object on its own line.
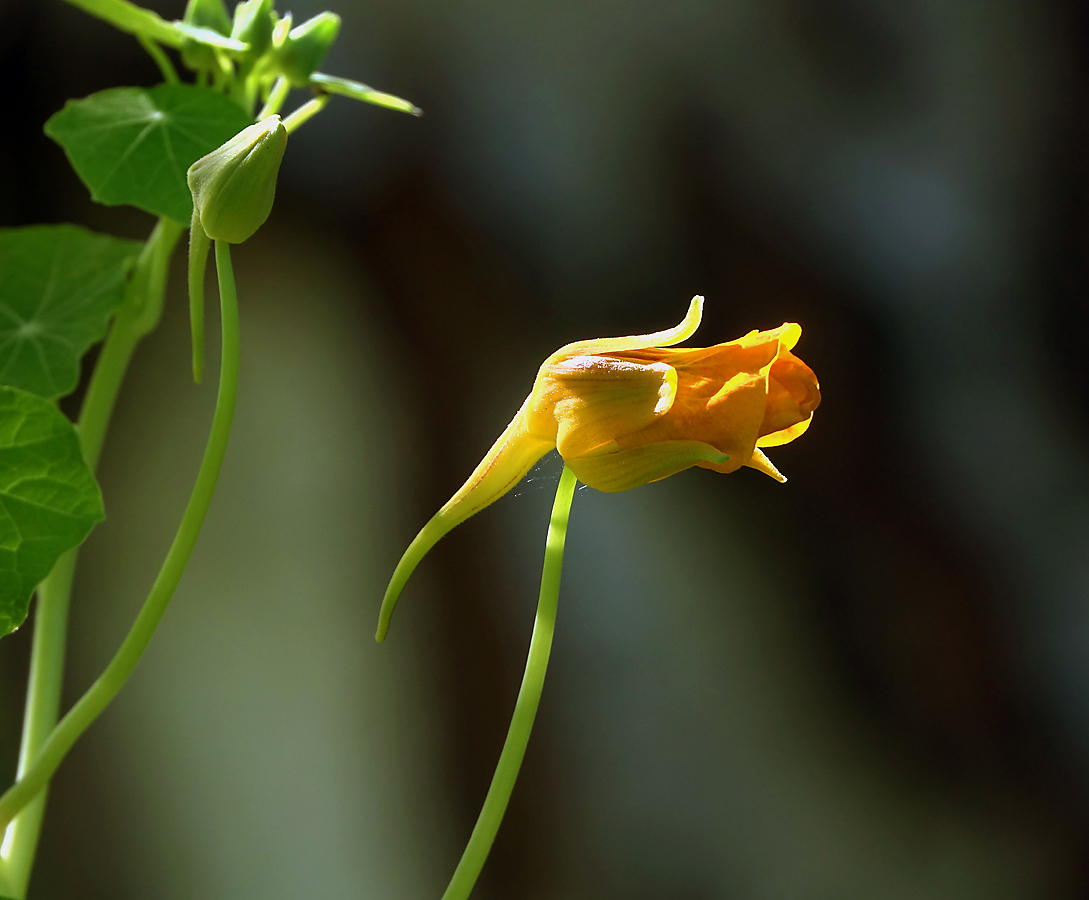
{"type": "Point", "coordinates": [59, 285]}
{"type": "Point", "coordinates": [49, 500]}
{"type": "Point", "coordinates": [134, 145]}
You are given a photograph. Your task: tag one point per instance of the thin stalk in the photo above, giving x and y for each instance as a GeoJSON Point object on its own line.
{"type": "Point", "coordinates": [199, 244]}
{"type": "Point", "coordinates": [42, 706]}
{"type": "Point", "coordinates": [223, 75]}
{"type": "Point", "coordinates": [170, 74]}
{"type": "Point", "coordinates": [105, 688]}
{"type": "Point", "coordinates": [139, 312]}
{"type": "Point", "coordinates": [139, 315]}
{"type": "Point", "coordinates": [306, 112]}
{"type": "Point", "coordinates": [276, 98]}
{"type": "Point", "coordinates": [525, 709]}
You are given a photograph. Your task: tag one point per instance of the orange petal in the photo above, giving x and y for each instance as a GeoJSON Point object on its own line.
{"type": "Point", "coordinates": [595, 399]}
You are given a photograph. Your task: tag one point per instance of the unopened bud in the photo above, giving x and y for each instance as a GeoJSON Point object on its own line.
{"type": "Point", "coordinates": [234, 186]}
{"type": "Point", "coordinates": [305, 46]}
{"type": "Point", "coordinates": [204, 14]}
{"type": "Point", "coordinates": [254, 21]}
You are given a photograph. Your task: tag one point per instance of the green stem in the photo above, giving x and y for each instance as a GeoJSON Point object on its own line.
{"type": "Point", "coordinates": [199, 244]}
{"type": "Point", "coordinates": [276, 98]}
{"type": "Point", "coordinates": [140, 313]}
{"type": "Point", "coordinates": [170, 74]}
{"type": "Point", "coordinates": [305, 113]}
{"type": "Point", "coordinates": [143, 302]}
{"type": "Point", "coordinates": [525, 709]}
{"type": "Point", "coordinates": [42, 706]}
{"type": "Point", "coordinates": [223, 76]}
{"type": "Point", "coordinates": [98, 696]}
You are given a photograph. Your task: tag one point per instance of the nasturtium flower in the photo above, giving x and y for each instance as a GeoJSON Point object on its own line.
{"type": "Point", "coordinates": [626, 411]}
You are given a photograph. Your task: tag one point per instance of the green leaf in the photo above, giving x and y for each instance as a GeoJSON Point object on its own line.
{"type": "Point", "coordinates": [134, 145]}
{"type": "Point", "coordinates": [49, 500]}
{"type": "Point", "coordinates": [59, 285]}
{"type": "Point", "coordinates": [133, 19]}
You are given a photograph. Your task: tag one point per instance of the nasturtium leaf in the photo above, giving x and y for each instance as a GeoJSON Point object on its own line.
{"type": "Point", "coordinates": [59, 285]}
{"type": "Point", "coordinates": [49, 500]}
{"type": "Point", "coordinates": [134, 145]}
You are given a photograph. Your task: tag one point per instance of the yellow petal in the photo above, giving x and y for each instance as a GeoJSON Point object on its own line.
{"type": "Point", "coordinates": [595, 399]}
{"type": "Point", "coordinates": [789, 335]}
{"type": "Point", "coordinates": [785, 435]}
{"type": "Point", "coordinates": [510, 458]}
{"type": "Point", "coordinates": [760, 462]}
{"type": "Point", "coordinates": [667, 338]}
{"type": "Point", "coordinates": [625, 469]}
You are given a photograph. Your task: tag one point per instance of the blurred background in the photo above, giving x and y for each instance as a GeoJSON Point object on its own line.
{"type": "Point", "coordinates": [872, 681]}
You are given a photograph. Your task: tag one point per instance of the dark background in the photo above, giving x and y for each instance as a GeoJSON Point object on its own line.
{"type": "Point", "coordinates": [872, 681]}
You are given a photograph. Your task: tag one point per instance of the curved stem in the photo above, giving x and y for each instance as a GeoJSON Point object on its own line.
{"type": "Point", "coordinates": [525, 709]}
{"type": "Point", "coordinates": [166, 67]}
{"type": "Point", "coordinates": [140, 314]}
{"type": "Point", "coordinates": [87, 709]}
{"type": "Point", "coordinates": [42, 707]}
{"type": "Point", "coordinates": [142, 304]}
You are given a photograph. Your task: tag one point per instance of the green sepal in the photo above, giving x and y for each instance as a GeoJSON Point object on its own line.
{"type": "Point", "coordinates": [305, 46]}
{"type": "Point", "coordinates": [254, 21]}
{"type": "Point", "coordinates": [209, 14]}
{"type": "Point", "coordinates": [234, 186]}
{"type": "Point", "coordinates": [49, 500]}
{"type": "Point", "coordinates": [346, 87]}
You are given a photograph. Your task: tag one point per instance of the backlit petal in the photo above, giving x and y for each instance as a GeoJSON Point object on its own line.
{"type": "Point", "coordinates": [626, 469]}
{"type": "Point", "coordinates": [667, 338]}
{"type": "Point", "coordinates": [786, 435]}
{"type": "Point", "coordinates": [595, 399]}
{"type": "Point", "coordinates": [760, 462]}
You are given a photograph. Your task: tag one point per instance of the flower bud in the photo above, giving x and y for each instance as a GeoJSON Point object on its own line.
{"type": "Point", "coordinates": [305, 46]}
{"type": "Point", "coordinates": [234, 186]}
{"type": "Point", "coordinates": [254, 21]}
{"type": "Point", "coordinates": [203, 14]}
{"type": "Point", "coordinates": [626, 411]}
